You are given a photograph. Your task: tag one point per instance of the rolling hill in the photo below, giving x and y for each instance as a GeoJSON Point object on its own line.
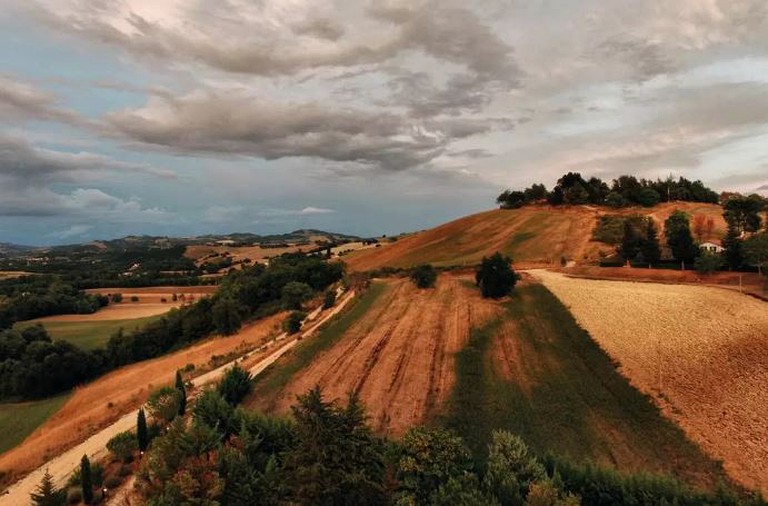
{"type": "Point", "coordinates": [535, 235]}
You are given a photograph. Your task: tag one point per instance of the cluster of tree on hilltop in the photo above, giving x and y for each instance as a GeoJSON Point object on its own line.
{"type": "Point", "coordinates": [32, 365]}
{"type": "Point", "coordinates": [624, 191]}
{"type": "Point", "coordinates": [326, 453]}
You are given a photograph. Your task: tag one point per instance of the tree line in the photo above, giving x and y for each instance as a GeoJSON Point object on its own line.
{"type": "Point", "coordinates": [33, 366]}
{"type": "Point", "coordinates": [327, 454]}
{"type": "Point", "coordinates": [623, 191]}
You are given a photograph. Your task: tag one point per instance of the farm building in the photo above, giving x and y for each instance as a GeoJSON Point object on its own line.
{"type": "Point", "coordinates": [711, 247]}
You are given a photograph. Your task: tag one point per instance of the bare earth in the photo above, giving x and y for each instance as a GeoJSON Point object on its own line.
{"type": "Point", "coordinates": [705, 349]}
{"type": "Point", "coordinates": [399, 356]}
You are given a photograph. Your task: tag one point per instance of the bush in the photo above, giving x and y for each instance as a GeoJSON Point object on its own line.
{"type": "Point", "coordinates": [424, 276]}
{"type": "Point", "coordinates": [123, 445]}
{"type": "Point", "coordinates": [235, 385]}
{"type": "Point", "coordinates": [75, 495]}
{"type": "Point", "coordinates": [495, 276]}
{"type": "Point", "coordinates": [113, 482]}
{"type": "Point", "coordinates": [134, 298]}
{"type": "Point", "coordinates": [163, 404]}
{"type": "Point", "coordinates": [707, 263]}
{"type": "Point", "coordinates": [293, 323]}
{"type": "Point", "coordinates": [117, 298]}
{"type": "Point", "coordinates": [329, 299]}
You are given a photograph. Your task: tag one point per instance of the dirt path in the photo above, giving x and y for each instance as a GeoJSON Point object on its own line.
{"type": "Point", "coordinates": [399, 356]}
{"type": "Point", "coordinates": [95, 446]}
{"type": "Point", "coordinates": [705, 349]}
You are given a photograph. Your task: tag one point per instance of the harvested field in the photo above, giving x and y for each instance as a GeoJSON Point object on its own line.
{"type": "Point", "coordinates": [702, 353]}
{"type": "Point", "coordinates": [749, 282]}
{"type": "Point", "coordinates": [122, 311]}
{"type": "Point", "coordinates": [101, 402]}
{"type": "Point", "coordinates": [157, 290]}
{"type": "Point", "coordinates": [536, 373]}
{"type": "Point", "coordinates": [397, 355]}
{"type": "Point", "coordinates": [535, 235]}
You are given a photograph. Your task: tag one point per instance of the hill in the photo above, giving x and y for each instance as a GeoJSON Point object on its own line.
{"type": "Point", "coordinates": [536, 235]}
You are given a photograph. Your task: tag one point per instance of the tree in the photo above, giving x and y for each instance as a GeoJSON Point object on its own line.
{"type": "Point", "coordinates": [163, 404]}
{"type": "Point", "coordinates": [743, 213]}
{"type": "Point", "coordinates": [226, 315]}
{"type": "Point", "coordinates": [512, 468]}
{"type": "Point", "coordinates": [707, 263]}
{"type": "Point", "coordinates": [648, 197]}
{"type": "Point", "coordinates": [295, 293]}
{"type": "Point", "coordinates": [292, 324]}
{"type": "Point", "coordinates": [424, 276]}
{"type": "Point", "coordinates": [495, 276]}
{"type": "Point", "coordinates": [756, 250]}
{"type": "Point", "coordinates": [182, 393]}
{"type": "Point", "coordinates": [615, 200]}
{"type": "Point", "coordinates": [709, 227]}
{"type": "Point", "coordinates": [46, 493]}
{"type": "Point", "coordinates": [679, 240]}
{"type": "Point", "coordinates": [630, 242]}
{"type": "Point", "coordinates": [734, 255]}
{"type": "Point", "coordinates": [650, 248]}
{"type": "Point", "coordinates": [329, 299]}
{"type": "Point", "coordinates": [699, 226]}
{"type": "Point", "coordinates": [235, 385]}
{"type": "Point", "coordinates": [122, 446]}
{"type": "Point", "coordinates": [86, 482]}
{"type": "Point", "coordinates": [142, 434]}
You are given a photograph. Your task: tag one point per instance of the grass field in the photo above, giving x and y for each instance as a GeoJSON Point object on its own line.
{"type": "Point", "coordinates": [18, 420]}
{"type": "Point", "coordinates": [92, 334]}
{"type": "Point", "coordinates": [277, 376]}
{"type": "Point", "coordinates": [536, 373]}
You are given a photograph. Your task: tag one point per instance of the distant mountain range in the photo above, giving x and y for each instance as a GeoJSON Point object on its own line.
{"type": "Point", "coordinates": [9, 250]}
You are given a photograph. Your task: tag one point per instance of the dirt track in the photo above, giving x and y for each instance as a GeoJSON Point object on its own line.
{"type": "Point", "coordinates": [705, 349]}
{"type": "Point", "coordinates": [398, 356]}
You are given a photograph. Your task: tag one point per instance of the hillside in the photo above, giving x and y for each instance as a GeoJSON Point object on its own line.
{"type": "Point", "coordinates": [537, 235]}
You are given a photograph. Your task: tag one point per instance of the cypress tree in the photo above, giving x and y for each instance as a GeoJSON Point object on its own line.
{"type": "Point", "coordinates": [650, 248]}
{"type": "Point", "coordinates": [142, 435]}
{"type": "Point", "coordinates": [734, 256]}
{"type": "Point", "coordinates": [183, 391]}
{"type": "Point", "coordinates": [86, 482]}
{"type": "Point", "coordinates": [630, 242]}
{"type": "Point", "coordinates": [46, 494]}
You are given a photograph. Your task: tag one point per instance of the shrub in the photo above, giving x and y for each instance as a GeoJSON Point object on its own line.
{"type": "Point", "coordinates": [329, 299]}
{"type": "Point", "coordinates": [113, 482]}
{"type": "Point", "coordinates": [117, 298]}
{"type": "Point", "coordinates": [495, 276]}
{"type": "Point", "coordinates": [163, 404]}
{"type": "Point", "coordinates": [707, 263]}
{"type": "Point", "coordinates": [235, 385]}
{"type": "Point", "coordinates": [123, 445]}
{"type": "Point", "coordinates": [293, 323]}
{"type": "Point", "coordinates": [134, 298]}
{"type": "Point", "coordinates": [424, 276]}
{"type": "Point", "coordinates": [75, 495]}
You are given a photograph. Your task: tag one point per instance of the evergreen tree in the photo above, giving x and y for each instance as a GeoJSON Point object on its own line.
{"type": "Point", "coordinates": [235, 385]}
{"type": "Point", "coordinates": [86, 481]}
{"type": "Point", "coordinates": [679, 238]}
{"type": "Point", "coordinates": [630, 242]}
{"type": "Point", "coordinates": [650, 249]}
{"type": "Point", "coordinates": [183, 391]}
{"type": "Point", "coordinates": [142, 434]}
{"type": "Point", "coordinates": [46, 493]}
{"type": "Point", "coordinates": [734, 255]}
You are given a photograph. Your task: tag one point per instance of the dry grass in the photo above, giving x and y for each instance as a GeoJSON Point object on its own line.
{"type": "Point", "coordinates": [398, 356]}
{"type": "Point", "coordinates": [101, 402]}
{"type": "Point", "coordinates": [533, 235]}
{"type": "Point", "coordinates": [701, 351]}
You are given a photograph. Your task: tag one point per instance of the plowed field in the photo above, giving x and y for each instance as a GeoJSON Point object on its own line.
{"type": "Point", "coordinates": [398, 356]}
{"type": "Point", "coordinates": [701, 352]}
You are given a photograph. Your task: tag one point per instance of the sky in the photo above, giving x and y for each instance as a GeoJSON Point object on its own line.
{"type": "Point", "coordinates": [187, 117]}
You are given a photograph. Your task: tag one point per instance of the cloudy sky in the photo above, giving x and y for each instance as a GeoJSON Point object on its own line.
{"type": "Point", "coordinates": [183, 117]}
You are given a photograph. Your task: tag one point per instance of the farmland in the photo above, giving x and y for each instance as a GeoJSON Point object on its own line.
{"type": "Point", "coordinates": [535, 372]}
{"type": "Point", "coordinates": [532, 235]}
{"type": "Point", "coordinates": [701, 352]}
{"type": "Point", "coordinates": [397, 355]}
{"type": "Point", "coordinates": [18, 420]}
{"type": "Point", "coordinates": [91, 334]}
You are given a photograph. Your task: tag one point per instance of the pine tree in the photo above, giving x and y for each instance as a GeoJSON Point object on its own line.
{"type": "Point", "coordinates": [650, 248]}
{"type": "Point", "coordinates": [142, 435]}
{"type": "Point", "coordinates": [86, 481]}
{"type": "Point", "coordinates": [630, 242]}
{"type": "Point", "coordinates": [46, 494]}
{"type": "Point", "coordinates": [183, 397]}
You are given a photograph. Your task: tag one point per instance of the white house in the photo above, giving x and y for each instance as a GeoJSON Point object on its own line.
{"type": "Point", "coordinates": [711, 247]}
